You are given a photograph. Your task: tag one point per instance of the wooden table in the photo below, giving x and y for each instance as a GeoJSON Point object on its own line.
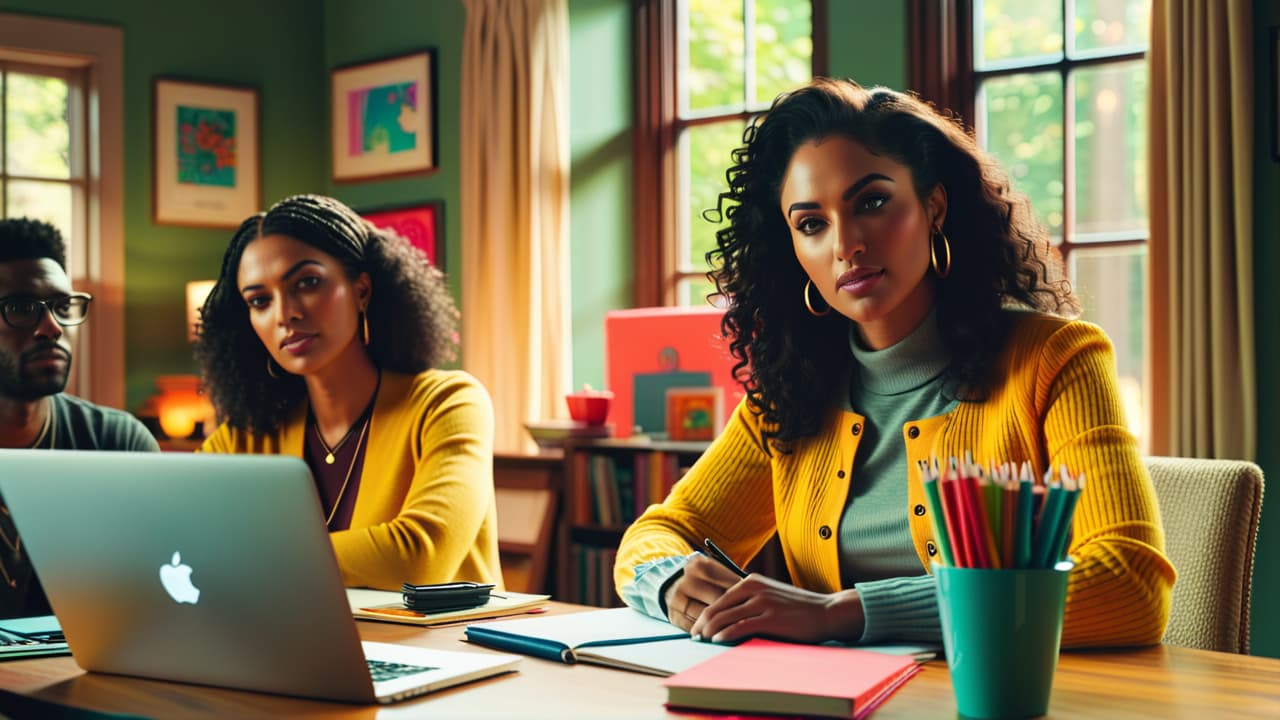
{"type": "Point", "coordinates": [1158, 682]}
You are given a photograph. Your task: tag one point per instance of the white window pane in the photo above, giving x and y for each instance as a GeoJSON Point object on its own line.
{"type": "Point", "coordinates": [1009, 32]}
{"type": "Point", "coordinates": [784, 47]}
{"type": "Point", "coordinates": [706, 153]}
{"type": "Point", "coordinates": [1020, 122]}
{"type": "Point", "coordinates": [1111, 151]}
{"type": "Point", "coordinates": [37, 134]}
{"type": "Point", "coordinates": [1111, 284]}
{"type": "Point", "coordinates": [715, 52]}
{"type": "Point", "coordinates": [1110, 26]}
{"type": "Point", "coordinates": [695, 292]}
{"type": "Point", "coordinates": [48, 201]}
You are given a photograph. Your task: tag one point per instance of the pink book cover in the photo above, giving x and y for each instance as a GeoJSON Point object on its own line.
{"type": "Point", "coordinates": [766, 676]}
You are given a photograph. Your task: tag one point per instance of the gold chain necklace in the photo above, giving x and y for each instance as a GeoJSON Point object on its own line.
{"type": "Point", "coordinates": [16, 543]}
{"type": "Point", "coordinates": [329, 451]}
{"type": "Point", "coordinates": [354, 458]}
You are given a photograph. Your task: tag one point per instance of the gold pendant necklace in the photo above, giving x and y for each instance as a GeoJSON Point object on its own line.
{"type": "Point", "coordinates": [329, 451]}
{"type": "Point", "coordinates": [355, 457]}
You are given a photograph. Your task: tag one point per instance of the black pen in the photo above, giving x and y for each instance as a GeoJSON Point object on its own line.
{"type": "Point", "coordinates": [725, 560]}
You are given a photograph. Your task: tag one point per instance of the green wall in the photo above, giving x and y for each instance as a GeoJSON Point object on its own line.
{"type": "Point", "coordinates": [867, 41]}
{"type": "Point", "coordinates": [1265, 626]}
{"type": "Point", "coordinates": [600, 109]}
{"type": "Point", "coordinates": [273, 46]}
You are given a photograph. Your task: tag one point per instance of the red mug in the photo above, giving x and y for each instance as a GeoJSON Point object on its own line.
{"type": "Point", "coordinates": [589, 406]}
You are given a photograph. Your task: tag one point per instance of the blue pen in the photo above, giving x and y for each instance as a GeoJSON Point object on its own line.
{"type": "Point", "coordinates": [725, 560]}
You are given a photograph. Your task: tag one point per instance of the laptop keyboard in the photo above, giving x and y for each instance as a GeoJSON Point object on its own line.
{"type": "Point", "coordinates": [382, 671]}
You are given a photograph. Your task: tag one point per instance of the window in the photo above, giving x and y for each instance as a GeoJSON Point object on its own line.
{"type": "Point", "coordinates": [42, 173]}
{"type": "Point", "coordinates": [1057, 91]}
{"type": "Point", "coordinates": [61, 160]}
{"type": "Point", "coordinates": [704, 69]}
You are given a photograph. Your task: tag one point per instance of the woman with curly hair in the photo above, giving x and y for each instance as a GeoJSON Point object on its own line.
{"type": "Point", "coordinates": [891, 301]}
{"type": "Point", "coordinates": [322, 339]}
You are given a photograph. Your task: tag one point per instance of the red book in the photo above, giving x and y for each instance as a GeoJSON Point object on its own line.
{"type": "Point", "coordinates": [776, 678]}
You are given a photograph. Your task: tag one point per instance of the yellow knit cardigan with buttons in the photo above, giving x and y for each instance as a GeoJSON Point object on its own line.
{"type": "Point", "coordinates": [425, 511]}
{"type": "Point", "coordinates": [1058, 405]}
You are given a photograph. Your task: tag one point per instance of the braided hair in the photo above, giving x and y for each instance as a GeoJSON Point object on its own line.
{"type": "Point", "coordinates": [412, 317]}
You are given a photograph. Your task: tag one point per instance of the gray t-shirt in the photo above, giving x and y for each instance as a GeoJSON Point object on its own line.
{"type": "Point", "coordinates": [77, 425]}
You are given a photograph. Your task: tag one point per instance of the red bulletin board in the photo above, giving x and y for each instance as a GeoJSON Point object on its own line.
{"type": "Point", "coordinates": [649, 341]}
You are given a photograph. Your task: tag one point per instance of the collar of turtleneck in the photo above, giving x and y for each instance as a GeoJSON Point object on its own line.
{"type": "Point", "coordinates": [905, 366]}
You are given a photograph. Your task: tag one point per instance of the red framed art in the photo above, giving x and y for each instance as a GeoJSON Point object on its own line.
{"type": "Point", "coordinates": [422, 225]}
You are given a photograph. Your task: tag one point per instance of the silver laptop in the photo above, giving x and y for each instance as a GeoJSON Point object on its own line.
{"type": "Point", "coordinates": [209, 569]}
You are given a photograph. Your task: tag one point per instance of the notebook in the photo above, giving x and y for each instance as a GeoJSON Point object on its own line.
{"type": "Point", "coordinates": [31, 637]}
{"type": "Point", "coordinates": [586, 637]}
{"type": "Point", "coordinates": [776, 678]}
{"type": "Point", "coordinates": [208, 569]}
{"type": "Point", "coordinates": [388, 606]}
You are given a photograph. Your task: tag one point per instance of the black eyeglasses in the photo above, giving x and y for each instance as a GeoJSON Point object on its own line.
{"type": "Point", "coordinates": [25, 312]}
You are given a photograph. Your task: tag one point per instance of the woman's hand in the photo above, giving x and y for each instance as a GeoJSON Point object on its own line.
{"type": "Point", "coordinates": [757, 605]}
{"type": "Point", "coordinates": [704, 580]}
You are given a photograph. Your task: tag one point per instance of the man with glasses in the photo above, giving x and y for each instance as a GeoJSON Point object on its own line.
{"type": "Point", "coordinates": [39, 313]}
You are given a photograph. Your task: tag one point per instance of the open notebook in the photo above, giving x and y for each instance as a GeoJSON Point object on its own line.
{"type": "Point", "coordinates": [589, 636]}
{"type": "Point", "coordinates": [388, 606]}
{"type": "Point", "coordinates": [625, 639]}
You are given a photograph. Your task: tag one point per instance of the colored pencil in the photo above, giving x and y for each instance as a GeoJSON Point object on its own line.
{"type": "Point", "coordinates": [938, 517]}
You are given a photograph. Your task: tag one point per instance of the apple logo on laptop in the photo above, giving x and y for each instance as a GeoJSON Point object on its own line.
{"type": "Point", "coordinates": [176, 578]}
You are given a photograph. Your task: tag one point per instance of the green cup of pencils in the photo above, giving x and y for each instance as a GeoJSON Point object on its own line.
{"type": "Point", "coordinates": [1002, 582]}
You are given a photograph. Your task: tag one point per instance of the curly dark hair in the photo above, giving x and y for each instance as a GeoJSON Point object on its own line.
{"type": "Point", "coordinates": [789, 359]}
{"type": "Point", "coordinates": [412, 317]}
{"type": "Point", "coordinates": [27, 239]}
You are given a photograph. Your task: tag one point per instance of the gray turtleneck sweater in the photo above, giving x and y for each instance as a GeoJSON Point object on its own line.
{"type": "Point", "coordinates": [889, 388]}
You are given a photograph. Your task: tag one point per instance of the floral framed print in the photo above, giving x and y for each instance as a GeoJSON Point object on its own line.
{"type": "Point", "coordinates": [206, 164]}
{"type": "Point", "coordinates": [422, 225]}
{"type": "Point", "coordinates": [383, 118]}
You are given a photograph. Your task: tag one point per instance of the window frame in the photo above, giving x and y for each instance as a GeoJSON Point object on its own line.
{"type": "Point", "coordinates": [96, 53]}
{"type": "Point", "coordinates": [657, 128]}
{"type": "Point", "coordinates": [940, 40]}
{"type": "Point", "coordinates": [941, 37]}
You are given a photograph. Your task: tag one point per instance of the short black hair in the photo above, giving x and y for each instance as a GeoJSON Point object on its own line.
{"type": "Point", "coordinates": [28, 239]}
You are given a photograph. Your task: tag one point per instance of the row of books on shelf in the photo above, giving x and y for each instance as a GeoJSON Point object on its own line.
{"type": "Point", "coordinates": [613, 490]}
{"type": "Point", "coordinates": [592, 569]}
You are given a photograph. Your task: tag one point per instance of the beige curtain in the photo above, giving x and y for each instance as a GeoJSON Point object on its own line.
{"type": "Point", "coordinates": [515, 209]}
{"type": "Point", "coordinates": [1201, 280]}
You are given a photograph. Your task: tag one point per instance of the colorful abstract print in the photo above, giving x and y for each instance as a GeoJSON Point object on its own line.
{"type": "Point", "coordinates": [206, 146]}
{"type": "Point", "coordinates": [382, 120]}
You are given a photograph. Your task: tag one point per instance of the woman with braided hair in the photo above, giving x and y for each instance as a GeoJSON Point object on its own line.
{"type": "Point", "coordinates": [891, 300]}
{"type": "Point", "coordinates": [323, 339]}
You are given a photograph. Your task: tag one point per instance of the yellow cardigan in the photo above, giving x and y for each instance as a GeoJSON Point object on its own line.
{"type": "Point", "coordinates": [425, 512]}
{"type": "Point", "coordinates": [1058, 405]}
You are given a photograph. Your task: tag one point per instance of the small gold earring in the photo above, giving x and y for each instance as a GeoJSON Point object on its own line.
{"type": "Point", "coordinates": [364, 323]}
{"type": "Point", "coordinates": [271, 370]}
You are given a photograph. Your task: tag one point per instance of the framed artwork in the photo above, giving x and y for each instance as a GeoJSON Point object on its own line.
{"type": "Point", "coordinates": [422, 225]}
{"type": "Point", "coordinates": [206, 164]}
{"type": "Point", "coordinates": [383, 118]}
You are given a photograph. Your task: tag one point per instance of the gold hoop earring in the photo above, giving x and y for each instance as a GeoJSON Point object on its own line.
{"type": "Point", "coordinates": [364, 324]}
{"type": "Point", "coordinates": [271, 369]}
{"type": "Point", "coordinates": [945, 270]}
{"type": "Point", "coordinates": [809, 303]}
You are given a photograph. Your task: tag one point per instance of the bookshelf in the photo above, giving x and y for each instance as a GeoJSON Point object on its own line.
{"type": "Point", "coordinates": [608, 484]}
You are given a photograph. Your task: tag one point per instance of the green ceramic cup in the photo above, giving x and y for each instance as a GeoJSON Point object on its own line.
{"type": "Point", "coordinates": [1001, 630]}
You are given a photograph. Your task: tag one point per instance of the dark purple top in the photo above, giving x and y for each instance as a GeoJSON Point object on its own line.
{"type": "Point", "coordinates": [350, 456]}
